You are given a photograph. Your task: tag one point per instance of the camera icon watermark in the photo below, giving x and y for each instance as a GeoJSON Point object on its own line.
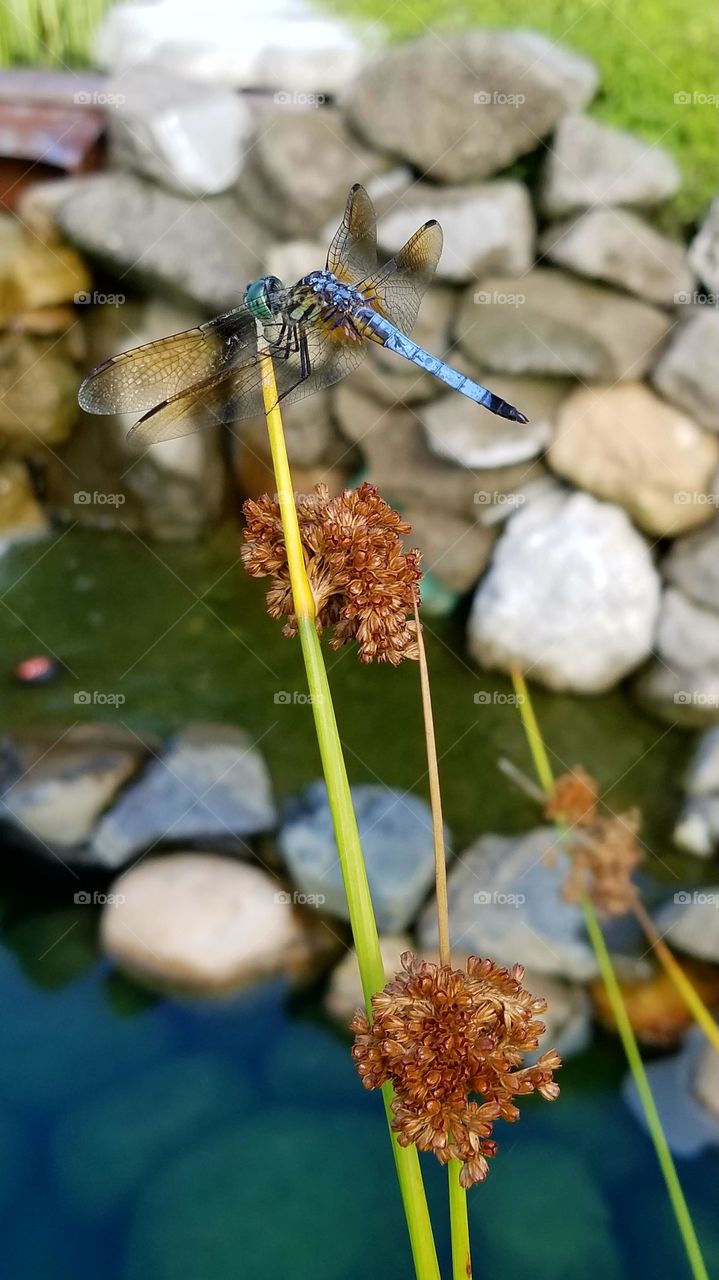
{"type": "Point", "coordinates": [83, 298]}
{"type": "Point", "coordinates": [285, 898]}
{"type": "Point", "coordinates": [96, 698]}
{"type": "Point", "coordinates": [296, 698]}
{"type": "Point", "coordinates": [699, 898]}
{"type": "Point", "coordinates": [487, 697]}
{"type": "Point", "coordinates": [695, 698]}
{"type": "Point", "coordinates": [283, 98]}
{"type": "Point", "coordinates": [696, 99]}
{"type": "Point", "coordinates": [695, 297]}
{"type": "Point", "coordinates": [495, 297]}
{"type": "Point", "coordinates": [692, 497]}
{"type": "Point", "coordinates": [82, 498]}
{"type": "Point", "coordinates": [496, 898]}
{"type": "Point", "coordinates": [84, 898]}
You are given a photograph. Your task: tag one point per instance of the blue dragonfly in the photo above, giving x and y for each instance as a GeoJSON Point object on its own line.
{"type": "Point", "coordinates": [317, 331]}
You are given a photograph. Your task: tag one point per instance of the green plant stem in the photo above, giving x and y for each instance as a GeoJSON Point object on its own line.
{"type": "Point", "coordinates": [614, 994]}
{"type": "Point", "coordinates": [458, 1219]}
{"type": "Point", "coordinates": [354, 875]}
{"type": "Point", "coordinates": [461, 1256]}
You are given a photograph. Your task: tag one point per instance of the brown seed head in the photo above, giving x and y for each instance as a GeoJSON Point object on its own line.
{"type": "Point", "coordinates": [362, 581]}
{"type": "Point", "coordinates": [443, 1035]}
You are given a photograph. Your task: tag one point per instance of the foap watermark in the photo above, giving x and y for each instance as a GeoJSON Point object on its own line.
{"type": "Point", "coordinates": [83, 498]}
{"type": "Point", "coordinates": [495, 498]}
{"type": "Point", "coordinates": [296, 899]}
{"type": "Point", "coordinates": [697, 898]}
{"type": "Point", "coordinates": [296, 698]}
{"type": "Point", "coordinates": [96, 698]}
{"type": "Point", "coordinates": [283, 98]}
{"type": "Point", "coordinates": [695, 298]}
{"type": "Point", "coordinates": [495, 898]}
{"type": "Point", "coordinates": [83, 898]}
{"type": "Point", "coordinates": [87, 298]}
{"type": "Point", "coordinates": [691, 497]}
{"type": "Point", "coordinates": [696, 99]}
{"type": "Point", "coordinates": [495, 297]}
{"type": "Point", "coordinates": [496, 98]}
{"type": "Point", "coordinates": [491, 698]}
{"type": "Point", "coordinates": [83, 98]}
{"type": "Point", "coordinates": [695, 698]}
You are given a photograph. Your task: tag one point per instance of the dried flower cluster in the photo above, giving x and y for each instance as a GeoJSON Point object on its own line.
{"type": "Point", "coordinates": [444, 1036]}
{"type": "Point", "coordinates": [605, 850]}
{"type": "Point", "coordinates": [363, 582]}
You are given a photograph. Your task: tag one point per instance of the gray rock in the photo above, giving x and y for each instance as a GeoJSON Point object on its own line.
{"type": "Point", "coordinates": [689, 1127]}
{"type": "Point", "coordinates": [344, 993]}
{"type": "Point", "coordinates": [578, 77]}
{"type": "Point", "coordinates": [505, 901]}
{"type": "Point", "coordinates": [683, 684]}
{"type": "Point", "coordinates": [209, 784]}
{"type": "Point", "coordinates": [292, 259]}
{"type": "Point", "coordinates": [592, 163]}
{"type": "Point", "coordinates": [458, 431]}
{"type": "Point", "coordinates": [396, 833]}
{"type": "Point", "coordinates": [201, 251]}
{"type": "Point", "coordinates": [455, 551]}
{"type": "Point", "coordinates": [625, 444]}
{"type": "Point", "coordinates": [706, 1081]}
{"type": "Point", "coordinates": [571, 595]}
{"type": "Point", "coordinates": [409, 475]}
{"type": "Point", "coordinates": [690, 922]}
{"type": "Point", "coordinates": [550, 323]}
{"type": "Point", "coordinates": [303, 165]}
{"type": "Point", "coordinates": [687, 373]}
{"type": "Point", "coordinates": [458, 107]}
{"type": "Point", "coordinates": [187, 136]}
{"type": "Point", "coordinates": [693, 566]}
{"type": "Point", "coordinates": [697, 828]}
{"type": "Point", "coordinates": [54, 786]}
{"type": "Point", "coordinates": [616, 246]}
{"type": "Point", "coordinates": [173, 490]}
{"type": "Point", "coordinates": [704, 249]}
{"type": "Point", "coordinates": [488, 227]}
{"type": "Point", "coordinates": [202, 923]}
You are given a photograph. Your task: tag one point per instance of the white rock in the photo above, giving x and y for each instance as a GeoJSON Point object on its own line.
{"type": "Point", "coordinates": [571, 596]}
{"type": "Point", "coordinates": [202, 922]}
{"type": "Point", "coordinates": [616, 246]}
{"type": "Point", "coordinates": [691, 922]}
{"type": "Point", "coordinates": [697, 829]}
{"type": "Point", "coordinates": [577, 76]}
{"type": "Point", "coordinates": [280, 45]}
{"type": "Point", "coordinates": [703, 777]}
{"type": "Point", "coordinates": [458, 431]}
{"type": "Point", "coordinates": [687, 373]}
{"type": "Point", "coordinates": [704, 250]}
{"type": "Point", "coordinates": [487, 227]}
{"type": "Point", "coordinates": [706, 1080]}
{"type": "Point", "coordinates": [186, 136]}
{"type": "Point", "coordinates": [592, 163]}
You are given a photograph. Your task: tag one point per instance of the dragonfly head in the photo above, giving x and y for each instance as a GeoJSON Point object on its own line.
{"type": "Point", "coordinates": [263, 297]}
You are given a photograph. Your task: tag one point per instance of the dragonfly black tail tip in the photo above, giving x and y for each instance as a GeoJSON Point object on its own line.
{"type": "Point", "coordinates": [513, 414]}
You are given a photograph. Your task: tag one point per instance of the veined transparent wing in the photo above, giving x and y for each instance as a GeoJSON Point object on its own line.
{"type": "Point", "coordinates": [136, 381]}
{"type": "Point", "coordinates": [352, 254]}
{"type": "Point", "coordinates": [236, 393]}
{"type": "Point", "coordinates": [397, 288]}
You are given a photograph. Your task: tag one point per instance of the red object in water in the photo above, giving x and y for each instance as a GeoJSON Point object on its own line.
{"type": "Point", "coordinates": [37, 670]}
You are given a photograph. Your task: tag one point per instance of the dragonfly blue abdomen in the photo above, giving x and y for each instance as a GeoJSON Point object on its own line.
{"type": "Point", "coordinates": [382, 331]}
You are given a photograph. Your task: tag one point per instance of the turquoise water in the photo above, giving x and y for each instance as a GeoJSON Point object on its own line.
{"type": "Point", "coordinates": [166, 1139]}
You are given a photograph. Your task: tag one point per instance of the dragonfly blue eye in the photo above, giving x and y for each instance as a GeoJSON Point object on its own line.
{"type": "Point", "coordinates": [259, 296]}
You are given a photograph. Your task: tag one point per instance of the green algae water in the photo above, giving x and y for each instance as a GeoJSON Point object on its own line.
{"type": "Point", "coordinates": [148, 1138]}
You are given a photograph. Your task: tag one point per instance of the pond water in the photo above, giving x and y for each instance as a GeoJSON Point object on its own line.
{"type": "Point", "coordinates": [153, 1138]}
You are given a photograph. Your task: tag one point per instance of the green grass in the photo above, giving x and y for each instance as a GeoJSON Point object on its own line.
{"type": "Point", "coordinates": [48, 33]}
{"type": "Point", "coordinates": [646, 51]}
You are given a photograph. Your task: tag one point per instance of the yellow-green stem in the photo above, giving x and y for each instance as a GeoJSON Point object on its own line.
{"type": "Point", "coordinates": [683, 984]}
{"type": "Point", "coordinates": [359, 902]}
{"type": "Point", "coordinates": [458, 1220]}
{"type": "Point", "coordinates": [614, 994]}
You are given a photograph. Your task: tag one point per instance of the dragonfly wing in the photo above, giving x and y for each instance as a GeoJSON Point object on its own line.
{"type": "Point", "coordinates": [397, 289]}
{"type": "Point", "coordinates": [236, 393]}
{"type": "Point", "coordinates": [138, 380]}
{"type": "Point", "coordinates": [352, 255]}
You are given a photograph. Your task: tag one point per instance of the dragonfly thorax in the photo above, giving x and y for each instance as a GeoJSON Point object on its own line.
{"type": "Point", "coordinates": [321, 296]}
{"type": "Point", "coordinates": [263, 297]}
